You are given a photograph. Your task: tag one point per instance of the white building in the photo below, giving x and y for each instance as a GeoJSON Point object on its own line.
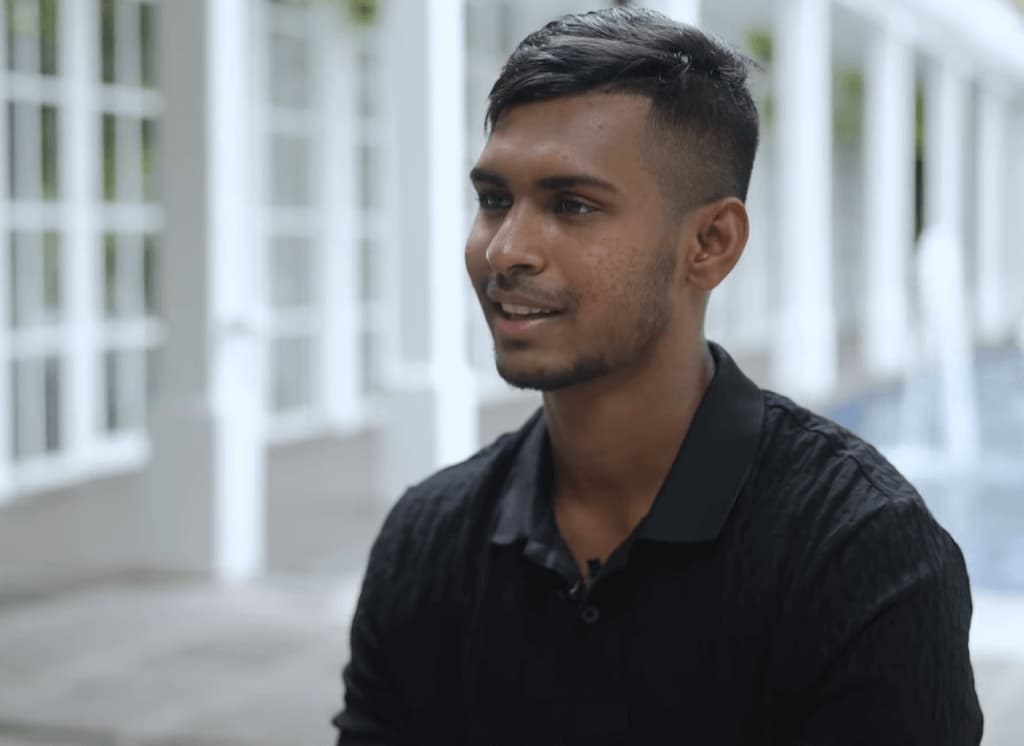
{"type": "Point", "coordinates": [237, 224]}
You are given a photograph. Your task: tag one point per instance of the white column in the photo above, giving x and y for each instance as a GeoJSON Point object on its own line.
{"type": "Point", "coordinates": [889, 198]}
{"type": "Point", "coordinates": [6, 400]}
{"type": "Point", "coordinates": [941, 285]}
{"type": "Point", "coordinates": [206, 479]}
{"type": "Point", "coordinates": [687, 11]}
{"type": "Point", "coordinates": [80, 147]}
{"type": "Point", "coordinates": [994, 166]}
{"type": "Point", "coordinates": [806, 347]}
{"type": "Point", "coordinates": [334, 71]}
{"type": "Point", "coordinates": [431, 408]}
{"type": "Point", "coordinates": [945, 128]}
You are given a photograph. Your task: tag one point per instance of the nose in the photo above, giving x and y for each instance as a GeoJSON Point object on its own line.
{"type": "Point", "coordinates": [517, 244]}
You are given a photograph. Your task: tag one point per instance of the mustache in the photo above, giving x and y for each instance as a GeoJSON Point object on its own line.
{"type": "Point", "coordinates": [525, 286]}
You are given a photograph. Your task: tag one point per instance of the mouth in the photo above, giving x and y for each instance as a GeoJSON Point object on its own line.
{"type": "Point", "coordinates": [513, 322]}
{"type": "Point", "coordinates": [512, 312]}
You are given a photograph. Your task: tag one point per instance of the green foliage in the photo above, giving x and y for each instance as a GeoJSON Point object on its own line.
{"type": "Point", "coordinates": [847, 90]}
{"type": "Point", "coordinates": [847, 105]}
{"type": "Point", "coordinates": [364, 12]}
{"type": "Point", "coordinates": [760, 45]}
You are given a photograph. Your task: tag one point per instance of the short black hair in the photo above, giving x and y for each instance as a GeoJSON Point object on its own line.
{"type": "Point", "coordinates": [700, 103]}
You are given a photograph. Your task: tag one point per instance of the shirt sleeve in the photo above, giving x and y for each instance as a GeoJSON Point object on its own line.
{"type": "Point", "coordinates": [373, 713]}
{"type": "Point", "coordinates": [885, 639]}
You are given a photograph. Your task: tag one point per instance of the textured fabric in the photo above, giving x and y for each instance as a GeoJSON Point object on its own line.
{"type": "Point", "coordinates": [788, 586]}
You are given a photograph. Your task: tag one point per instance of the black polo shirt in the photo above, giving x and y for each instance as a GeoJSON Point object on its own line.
{"type": "Point", "coordinates": [788, 586]}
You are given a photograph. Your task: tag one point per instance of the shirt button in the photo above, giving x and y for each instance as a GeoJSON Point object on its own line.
{"type": "Point", "coordinates": [590, 614]}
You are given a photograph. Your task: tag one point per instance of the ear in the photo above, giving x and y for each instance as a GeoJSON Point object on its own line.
{"type": "Point", "coordinates": [722, 228]}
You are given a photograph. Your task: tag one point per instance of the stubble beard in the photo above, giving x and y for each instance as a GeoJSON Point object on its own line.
{"type": "Point", "coordinates": [641, 325]}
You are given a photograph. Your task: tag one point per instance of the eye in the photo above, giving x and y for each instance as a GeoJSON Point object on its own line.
{"type": "Point", "coordinates": [493, 201]}
{"type": "Point", "coordinates": [570, 206]}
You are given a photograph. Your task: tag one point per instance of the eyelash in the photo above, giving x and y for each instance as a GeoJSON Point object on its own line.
{"type": "Point", "coordinates": [487, 200]}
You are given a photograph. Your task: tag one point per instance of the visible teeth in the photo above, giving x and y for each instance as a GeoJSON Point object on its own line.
{"type": "Point", "coordinates": [521, 310]}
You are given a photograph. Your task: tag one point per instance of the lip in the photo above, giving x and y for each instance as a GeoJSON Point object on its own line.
{"type": "Point", "coordinates": [499, 298]}
{"type": "Point", "coordinates": [507, 327]}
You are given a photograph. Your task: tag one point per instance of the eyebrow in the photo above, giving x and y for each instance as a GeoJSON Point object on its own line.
{"type": "Point", "coordinates": [568, 181]}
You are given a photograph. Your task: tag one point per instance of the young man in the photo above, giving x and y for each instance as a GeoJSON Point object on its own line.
{"type": "Point", "coordinates": [664, 553]}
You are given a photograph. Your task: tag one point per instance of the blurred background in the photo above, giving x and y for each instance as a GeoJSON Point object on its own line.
{"type": "Point", "coordinates": [234, 323]}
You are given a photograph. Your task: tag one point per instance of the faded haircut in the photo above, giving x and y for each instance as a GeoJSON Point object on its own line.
{"type": "Point", "coordinates": [704, 122]}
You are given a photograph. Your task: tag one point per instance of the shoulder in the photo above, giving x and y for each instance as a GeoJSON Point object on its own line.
{"type": "Point", "coordinates": [431, 515]}
{"type": "Point", "coordinates": [841, 501]}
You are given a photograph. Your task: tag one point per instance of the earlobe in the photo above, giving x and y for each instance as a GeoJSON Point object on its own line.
{"type": "Point", "coordinates": [722, 231]}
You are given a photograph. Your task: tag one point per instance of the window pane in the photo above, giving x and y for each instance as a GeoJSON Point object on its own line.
{"type": "Point", "coordinates": [48, 36]}
{"type": "Point", "coordinates": [291, 386]}
{"type": "Point", "coordinates": [147, 40]}
{"type": "Point", "coordinates": [290, 276]}
{"type": "Point", "coordinates": [108, 41]}
{"type": "Point", "coordinates": [110, 388]}
{"type": "Point", "coordinates": [124, 389]}
{"type": "Point", "coordinates": [289, 71]}
{"type": "Point", "coordinates": [110, 275]}
{"type": "Point", "coordinates": [50, 152]}
{"type": "Point", "coordinates": [152, 375]}
{"type": "Point", "coordinates": [53, 404]}
{"type": "Point", "coordinates": [35, 278]}
{"type": "Point", "coordinates": [109, 157]}
{"type": "Point", "coordinates": [150, 268]}
{"type": "Point", "coordinates": [51, 275]}
{"type": "Point", "coordinates": [28, 129]}
{"type": "Point", "coordinates": [22, 17]}
{"type": "Point", "coordinates": [368, 359]}
{"type": "Point", "coordinates": [149, 163]}
{"type": "Point", "coordinates": [36, 393]}
{"type": "Point", "coordinates": [290, 180]}
{"type": "Point", "coordinates": [367, 270]}
{"type": "Point", "coordinates": [12, 269]}
{"type": "Point", "coordinates": [368, 176]}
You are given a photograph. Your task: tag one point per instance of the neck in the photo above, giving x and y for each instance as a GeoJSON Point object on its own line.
{"type": "Point", "coordinates": [613, 440]}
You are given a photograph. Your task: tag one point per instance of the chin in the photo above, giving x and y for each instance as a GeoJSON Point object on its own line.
{"type": "Point", "coordinates": [548, 378]}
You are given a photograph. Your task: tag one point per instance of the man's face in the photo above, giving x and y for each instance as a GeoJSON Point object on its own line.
{"type": "Point", "coordinates": [571, 253]}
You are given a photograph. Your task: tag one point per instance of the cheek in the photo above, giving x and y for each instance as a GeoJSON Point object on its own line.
{"type": "Point", "coordinates": [476, 254]}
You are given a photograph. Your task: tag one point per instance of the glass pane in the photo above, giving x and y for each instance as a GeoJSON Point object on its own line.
{"type": "Point", "coordinates": [108, 41]}
{"type": "Point", "coordinates": [149, 175]}
{"type": "Point", "coordinates": [27, 423]}
{"type": "Point", "coordinates": [290, 172]}
{"type": "Point", "coordinates": [51, 275]}
{"type": "Point", "coordinates": [23, 47]}
{"type": "Point", "coordinates": [12, 268]}
{"type": "Point", "coordinates": [289, 71]}
{"type": "Point", "coordinates": [36, 393]}
{"type": "Point", "coordinates": [35, 278]}
{"type": "Point", "coordinates": [290, 273]}
{"type": "Point", "coordinates": [147, 41]}
{"type": "Point", "coordinates": [50, 151]}
{"type": "Point", "coordinates": [367, 288]}
{"type": "Point", "coordinates": [48, 36]}
{"type": "Point", "coordinates": [53, 404]}
{"type": "Point", "coordinates": [368, 362]}
{"type": "Point", "coordinates": [110, 389]}
{"type": "Point", "coordinates": [150, 268]}
{"type": "Point", "coordinates": [291, 387]}
{"type": "Point", "coordinates": [153, 356]}
{"type": "Point", "coordinates": [368, 176]}
{"type": "Point", "coordinates": [124, 389]}
{"type": "Point", "coordinates": [31, 149]}
{"type": "Point", "coordinates": [131, 381]}
{"type": "Point", "coordinates": [109, 157]}
{"type": "Point", "coordinates": [110, 275]}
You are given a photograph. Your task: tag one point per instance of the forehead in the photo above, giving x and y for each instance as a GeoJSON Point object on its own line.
{"type": "Point", "coordinates": [600, 133]}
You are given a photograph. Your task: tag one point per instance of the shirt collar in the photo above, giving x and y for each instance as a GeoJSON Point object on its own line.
{"type": "Point", "coordinates": [712, 465]}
